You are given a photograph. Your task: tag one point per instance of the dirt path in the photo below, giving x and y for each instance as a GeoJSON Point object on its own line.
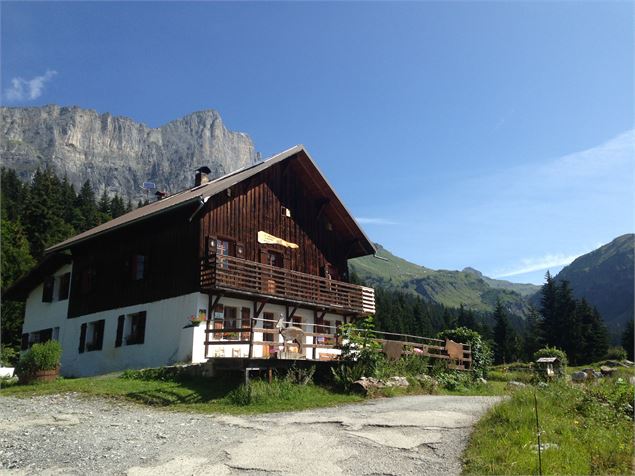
{"type": "Point", "coordinates": [68, 434]}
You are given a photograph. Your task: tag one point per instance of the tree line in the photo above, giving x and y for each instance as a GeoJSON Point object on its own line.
{"type": "Point", "coordinates": [39, 214]}
{"type": "Point", "coordinates": [562, 321]}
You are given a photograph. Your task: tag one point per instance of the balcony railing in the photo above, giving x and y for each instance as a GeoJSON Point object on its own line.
{"type": "Point", "coordinates": [237, 274]}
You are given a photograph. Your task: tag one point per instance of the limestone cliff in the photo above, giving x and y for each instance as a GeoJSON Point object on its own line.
{"type": "Point", "coordinates": [117, 153]}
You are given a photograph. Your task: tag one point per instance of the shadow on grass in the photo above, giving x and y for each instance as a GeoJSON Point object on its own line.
{"type": "Point", "coordinates": [187, 391]}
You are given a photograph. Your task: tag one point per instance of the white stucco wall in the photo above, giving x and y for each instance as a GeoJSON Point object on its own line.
{"type": "Point", "coordinates": [166, 340]}
{"type": "Point", "coordinates": [40, 315]}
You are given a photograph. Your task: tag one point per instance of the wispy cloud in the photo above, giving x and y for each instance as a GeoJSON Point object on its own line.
{"type": "Point", "coordinates": [374, 221]}
{"type": "Point", "coordinates": [528, 265]}
{"type": "Point", "coordinates": [28, 89]}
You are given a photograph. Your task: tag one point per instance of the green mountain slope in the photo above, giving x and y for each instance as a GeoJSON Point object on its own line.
{"type": "Point", "coordinates": [450, 288]}
{"type": "Point", "coordinates": [604, 277]}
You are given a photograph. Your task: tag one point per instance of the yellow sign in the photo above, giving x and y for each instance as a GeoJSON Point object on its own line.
{"type": "Point", "coordinates": [273, 240]}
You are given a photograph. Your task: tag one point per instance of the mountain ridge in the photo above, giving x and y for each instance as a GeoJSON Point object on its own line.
{"type": "Point", "coordinates": [117, 153]}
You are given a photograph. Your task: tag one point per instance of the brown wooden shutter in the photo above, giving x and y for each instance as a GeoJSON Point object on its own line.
{"type": "Point", "coordinates": [25, 342]}
{"type": "Point", "coordinates": [120, 324]}
{"type": "Point", "coordinates": [47, 292]}
{"type": "Point", "coordinates": [82, 338]}
{"type": "Point", "coordinates": [99, 334]}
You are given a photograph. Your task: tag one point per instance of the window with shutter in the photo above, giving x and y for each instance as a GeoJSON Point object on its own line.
{"type": "Point", "coordinates": [65, 286]}
{"type": "Point", "coordinates": [82, 338]}
{"type": "Point", "coordinates": [47, 290]}
{"type": "Point", "coordinates": [137, 328]}
{"type": "Point", "coordinates": [95, 335]}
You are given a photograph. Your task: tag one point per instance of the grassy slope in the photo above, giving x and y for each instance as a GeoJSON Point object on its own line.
{"type": "Point", "coordinates": [588, 423]}
{"type": "Point", "coordinates": [451, 288]}
{"type": "Point", "coordinates": [197, 395]}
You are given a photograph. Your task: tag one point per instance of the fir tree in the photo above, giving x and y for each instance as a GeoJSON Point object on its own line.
{"type": "Point", "coordinates": [627, 339]}
{"type": "Point", "coordinates": [88, 213]}
{"type": "Point", "coordinates": [534, 339]}
{"type": "Point", "coordinates": [505, 339]}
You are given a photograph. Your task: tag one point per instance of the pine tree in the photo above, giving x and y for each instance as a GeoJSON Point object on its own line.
{"type": "Point", "coordinates": [117, 206]}
{"type": "Point", "coordinates": [550, 324]}
{"type": "Point", "coordinates": [88, 213]}
{"type": "Point", "coordinates": [569, 326]}
{"type": "Point", "coordinates": [627, 340]}
{"type": "Point", "coordinates": [505, 339]}
{"type": "Point", "coordinates": [533, 338]}
{"type": "Point", "coordinates": [104, 203]}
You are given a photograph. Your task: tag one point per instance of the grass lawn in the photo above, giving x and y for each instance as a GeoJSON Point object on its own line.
{"type": "Point", "coordinates": [217, 395]}
{"type": "Point", "coordinates": [589, 428]}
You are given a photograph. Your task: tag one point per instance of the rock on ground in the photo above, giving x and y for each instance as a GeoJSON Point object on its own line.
{"type": "Point", "coordinates": [71, 434]}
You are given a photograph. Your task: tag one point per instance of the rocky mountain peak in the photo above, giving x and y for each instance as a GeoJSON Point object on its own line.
{"type": "Point", "coordinates": [116, 153]}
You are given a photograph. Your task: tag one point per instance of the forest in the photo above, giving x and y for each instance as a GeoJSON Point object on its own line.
{"type": "Point", "coordinates": [48, 210]}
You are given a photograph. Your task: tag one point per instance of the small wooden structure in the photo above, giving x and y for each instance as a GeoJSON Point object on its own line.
{"type": "Point", "coordinates": [549, 367]}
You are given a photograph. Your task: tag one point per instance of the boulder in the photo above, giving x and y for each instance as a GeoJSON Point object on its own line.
{"type": "Point", "coordinates": [366, 384]}
{"type": "Point", "coordinates": [397, 382]}
{"type": "Point", "coordinates": [607, 371]}
{"type": "Point", "coordinates": [579, 376]}
{"type": "Point", "coordinates": [513, 385]}
{"type": "Point", "coordinates": [481, 381]}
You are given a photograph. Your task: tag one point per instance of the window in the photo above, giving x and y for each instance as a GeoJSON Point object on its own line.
{"type": "Point", "coordinates": [47, 289]}
{"type": "Point", "coordinates": [245, 323]}
{"type": "Point", "coordinates": [39, 337]}
{"type": "Point", "coordinates": [91, 336]}
{"type": "Point", "coordinates": [230, 322]}
{"type": "Point", "coordinates": [137, 268]}
{"type": "Point", "coordinates": [131, 329]}
{"type": "Point", "coordinates": [267, 324]}
{"type": "Point", "coordinates": [64, 287]}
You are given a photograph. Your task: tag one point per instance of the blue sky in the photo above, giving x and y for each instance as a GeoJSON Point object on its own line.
{"type": "Point", "coordinates": [497, 135]}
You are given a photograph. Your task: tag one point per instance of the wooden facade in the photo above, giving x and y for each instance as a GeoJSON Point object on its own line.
{"type": "Point", "coordinates": [106, 271]}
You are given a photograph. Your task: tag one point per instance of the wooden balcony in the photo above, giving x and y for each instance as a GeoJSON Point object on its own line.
{"type": "Point", "coordinates": [228, 273]}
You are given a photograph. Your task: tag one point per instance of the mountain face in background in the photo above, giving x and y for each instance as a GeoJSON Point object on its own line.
{"type": "Point", "coordinates": [450, 288]}
{"type": "Point", "coordinates": [605, 278]}
{"type": "Point", "coordinates": [116, 153]}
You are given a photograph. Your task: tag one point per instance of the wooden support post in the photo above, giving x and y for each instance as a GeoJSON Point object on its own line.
{"type": "Point", "coordinates": [270, 374]}
{"type": "Point", "coordinates": [257, 310]}
{"type": "Point", "coordinates": [207, 337]}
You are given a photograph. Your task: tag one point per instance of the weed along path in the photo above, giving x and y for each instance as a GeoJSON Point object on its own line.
{"type": "Point", "coordinates": [70, 434]}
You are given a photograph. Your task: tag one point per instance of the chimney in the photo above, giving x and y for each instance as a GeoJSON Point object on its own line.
{"type": "Point", "coordinates": [201, 177]}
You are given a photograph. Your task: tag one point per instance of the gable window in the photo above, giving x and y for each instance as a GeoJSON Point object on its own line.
{"type": "Point", "coordinates": [138, 267]}
{"type": "Point", "coordinates": [91, 336]}
{"type": "Point", "coordinates": [131, 329]}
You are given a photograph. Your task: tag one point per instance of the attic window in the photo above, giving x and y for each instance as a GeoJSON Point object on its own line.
{"type": "Point", "coordinates": [286, 212]}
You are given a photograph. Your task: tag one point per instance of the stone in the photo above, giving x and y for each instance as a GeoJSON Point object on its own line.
{"type": "Point", "coordinates": [397, 382]}
{"type": "Point", "coordinates": [605, 370]}
{"type": "Point", "coordinates": [118, 154]}
{"type": "Point", "coordinates": [579, 376]}
{"type": "Point", "coordinates": [512, 384]}
{"type": "Point", "coordinates": [481, 381]}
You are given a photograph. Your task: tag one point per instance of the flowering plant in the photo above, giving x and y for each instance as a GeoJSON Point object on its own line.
{"type": "Point", "coordinates": [195, 320]}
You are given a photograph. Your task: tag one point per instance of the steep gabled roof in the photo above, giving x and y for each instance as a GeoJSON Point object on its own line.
{"type": "Point", "coordinates": [203, 192]}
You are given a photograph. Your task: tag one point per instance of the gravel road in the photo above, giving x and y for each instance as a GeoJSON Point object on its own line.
{"type": "Point", "coordinates": [71, 434]}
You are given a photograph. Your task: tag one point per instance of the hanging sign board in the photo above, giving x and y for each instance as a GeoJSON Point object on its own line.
{"type": "Point", "coordinates": [266, 238]}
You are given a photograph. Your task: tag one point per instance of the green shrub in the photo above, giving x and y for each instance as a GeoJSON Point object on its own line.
{"type": "Point", "coordinates": [8, 356]}
{"type": "Point", "coordinates": [299, 375]}
{"type": "Point", "coordinates": [481, 353]}
{"type": "Point", "coordinates": [616, 353]}
{"type": "Point", "coordinates": [39, 357]}
{"type": "Point", "coordinates": [552, 352]}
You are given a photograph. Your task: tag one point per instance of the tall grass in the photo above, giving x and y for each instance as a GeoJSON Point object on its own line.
{"type": "Point", "coordinates": [587, 429]}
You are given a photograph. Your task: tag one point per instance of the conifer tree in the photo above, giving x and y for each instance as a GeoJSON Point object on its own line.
{"type": "Point", "coordinates": [627, 339]}
{"type": "Point", "coordinates": [505, 339]}
{"type": "Point", "coordinates": [534, 338]}
{"type": "Point", "coordinates": [88, 213]}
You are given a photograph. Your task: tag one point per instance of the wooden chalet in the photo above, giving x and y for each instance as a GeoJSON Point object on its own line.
{"type": "Point", "coordinates": [258, 255]}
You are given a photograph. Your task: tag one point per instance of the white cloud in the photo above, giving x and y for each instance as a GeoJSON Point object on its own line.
{"type": "Point", "coordinates": [28, 89]}
{"type": "Point", "coordinates": [374, 221]}
{"type": "Point", "coordinates": [527, 265]}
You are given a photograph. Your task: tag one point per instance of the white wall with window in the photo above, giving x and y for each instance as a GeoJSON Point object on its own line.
{"type": "Point", "coordinates": [41, 315]}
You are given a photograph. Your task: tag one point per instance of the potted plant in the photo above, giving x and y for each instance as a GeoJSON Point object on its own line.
{"type": "Point", "coordinates": [195, 321]}
{"type": "Point", "coordinates": [41, 363]}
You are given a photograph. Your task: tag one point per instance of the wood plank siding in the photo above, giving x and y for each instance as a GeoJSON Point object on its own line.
{"type": "Point", "coordinates": [168, 244]}
{"type": "Point", "coordinates": [256, 204]}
